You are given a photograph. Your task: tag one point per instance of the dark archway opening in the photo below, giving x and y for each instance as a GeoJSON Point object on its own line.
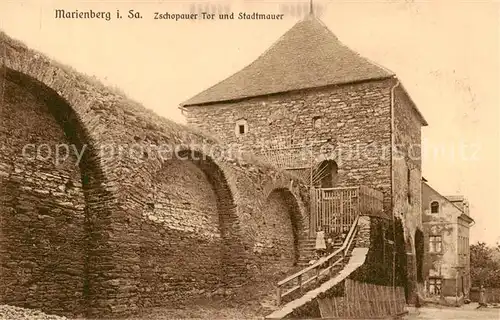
{"type": "Point", "coordinates": [325, 175]}
{"type": "Point", "coordinates": [419, 251]}
{"type": "Point", "coordinates": [401, 259]}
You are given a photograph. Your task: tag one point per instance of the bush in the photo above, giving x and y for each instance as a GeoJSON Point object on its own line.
{"type": "Point", "coordinates": [484, 265]}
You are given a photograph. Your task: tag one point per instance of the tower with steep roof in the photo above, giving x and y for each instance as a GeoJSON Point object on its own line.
{"type": "Point", "coordinates": [309, 90]}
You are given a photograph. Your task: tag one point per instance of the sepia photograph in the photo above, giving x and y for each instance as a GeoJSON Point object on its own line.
{"type": "Point", "coordinates": [249, 159]}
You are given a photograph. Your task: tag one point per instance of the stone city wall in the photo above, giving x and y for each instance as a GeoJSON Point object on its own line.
{"type": "Point", "coordinates": [119, 225]}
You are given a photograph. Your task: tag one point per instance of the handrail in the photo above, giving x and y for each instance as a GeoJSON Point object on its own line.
{"type": "Point", "coordinates": [339, 188]}
{"type": "Point", "coordinates": [321, 262]}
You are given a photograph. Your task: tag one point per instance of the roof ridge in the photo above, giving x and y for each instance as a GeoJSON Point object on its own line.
{"type": "Point", "coordinates": [321, 23]}
{"type": "Point", "coordinates": [308, 55]}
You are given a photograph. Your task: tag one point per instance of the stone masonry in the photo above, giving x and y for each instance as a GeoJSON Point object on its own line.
{"type": "Point", "coordinates": [43, 218]}
{"type": "Point", "coordinates": [349, 110]}
{"type": "Point", "coordinates": [407, 175]}
{"type": "Point", "coordinates": [122, 224]}
{"type": "Point", "coordinates": [355, 121]}
{"type": "Point", "coordinates": [352, 115]}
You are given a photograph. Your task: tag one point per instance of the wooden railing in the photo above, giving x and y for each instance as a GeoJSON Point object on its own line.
{"type": "Point", "coordinates": [320, 268]}
{"type": "Point", "coordinates": [334, 209]}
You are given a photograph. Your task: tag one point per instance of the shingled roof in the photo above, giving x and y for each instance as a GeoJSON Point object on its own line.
{"type": "Point", "coordinates": [306, 56]}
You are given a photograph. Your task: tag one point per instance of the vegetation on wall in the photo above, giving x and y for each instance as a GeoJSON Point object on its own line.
{"type": "Point", "coordinates": [335, 291]}
{"type": "Point", "coordinates": [308, 310]}
{"type": "Point", "coordinates": [380, 268]}
{"type": "Point", "coordinates": [377, 268]}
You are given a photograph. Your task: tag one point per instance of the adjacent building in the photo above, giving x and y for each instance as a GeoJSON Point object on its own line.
{"type": "Point", "coordinates": [446, 222]}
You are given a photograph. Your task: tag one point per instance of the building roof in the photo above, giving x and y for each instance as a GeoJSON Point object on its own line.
{"type": "Point", "coordinates": [419, 114]}
{"type": "Point", "coordinates": [451, 199]}
{"type": "Point", "coordinates": [467, 218]}
{"type": "Point", "coordinates": [455, 198]}
{"type": "Point", "coordinates": [307, 56]}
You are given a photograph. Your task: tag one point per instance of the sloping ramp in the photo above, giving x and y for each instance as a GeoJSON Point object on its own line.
{"type": "Point", "coordinates": [357, 259]}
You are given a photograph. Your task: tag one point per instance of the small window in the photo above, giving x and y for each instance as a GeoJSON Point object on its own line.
{"type": "Point", "coordinates": [316, 122]}
{"type": "Point", "coordinates": [434, 207]}
{"type": "Point", "coordinates": [435, 244]}
{"type": "Point", "coordinates": [241, 127]}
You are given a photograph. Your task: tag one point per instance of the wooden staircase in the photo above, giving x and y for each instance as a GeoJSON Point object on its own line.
{"type": "Point", "coordinates": [321, 270]}
{"type": "Point", "coordinates": [335, 211]}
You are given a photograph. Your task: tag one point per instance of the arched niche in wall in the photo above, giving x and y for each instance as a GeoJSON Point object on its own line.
{"type": "Point", "coordinates": [193, 218]}
{"type": "Point", "coordinates": [317, 122]}
{"type": "Point", "coordinates": [54, 199]}
{"type": "Point", "coordinates": [281, 229]}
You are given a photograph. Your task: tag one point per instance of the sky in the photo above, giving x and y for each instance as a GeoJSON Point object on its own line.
{"type": "Point", "coordinates": [446, 54]}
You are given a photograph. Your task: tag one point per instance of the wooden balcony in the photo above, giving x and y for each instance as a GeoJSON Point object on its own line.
{"type": "Point", "coordinates": [335, 209]}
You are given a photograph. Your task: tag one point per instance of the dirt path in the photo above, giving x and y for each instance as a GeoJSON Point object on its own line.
{"type": "Point", "coordinates": [465, 312]}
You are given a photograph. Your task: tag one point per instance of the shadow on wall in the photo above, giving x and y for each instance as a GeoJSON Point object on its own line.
{"type": "Point", "coordinates": [191, 215]}
{"type": "Point", "coordinates": [49, 226]}
{"type": "Point", "coordinates": [419, 251]}
{"type": "Point", "coordinates": [280, 231]}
